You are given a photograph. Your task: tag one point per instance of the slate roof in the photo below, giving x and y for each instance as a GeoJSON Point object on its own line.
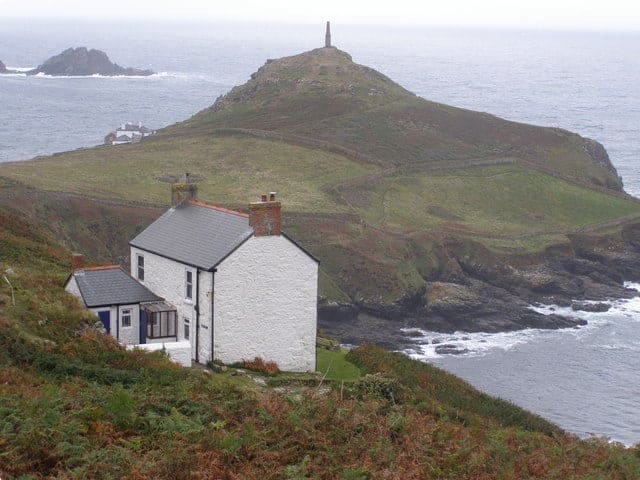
{"type": "Point", "coordinates": [104, 286]}
{"type": "Point", "coordinates": [196, 234]}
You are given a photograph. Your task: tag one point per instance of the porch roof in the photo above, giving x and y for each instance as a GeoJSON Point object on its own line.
{"type": "Point", "coordinates": [156, 307]}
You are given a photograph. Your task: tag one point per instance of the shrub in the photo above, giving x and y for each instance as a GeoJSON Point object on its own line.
{"type": "Point", "coordinates": [259, 365]}
{"type": "Point", "coordinates": [378, 386]}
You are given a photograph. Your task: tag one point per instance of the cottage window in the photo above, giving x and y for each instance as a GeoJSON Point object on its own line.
{"type": "Point", "coordinates": [161, 324]}
{"type": "Point", "coordinates": [141, 268]}
{"type": "Point", "coordinates": [186, 328]}
{"type": "Point", "coordinates": [125, 318]}
{"type": "Point", "coordinates": [189, 285]}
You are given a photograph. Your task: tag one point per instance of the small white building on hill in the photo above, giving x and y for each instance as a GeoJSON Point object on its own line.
{"type": "Point", "coordinates": [231, 284]}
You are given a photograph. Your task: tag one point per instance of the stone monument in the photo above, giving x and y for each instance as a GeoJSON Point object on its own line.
{"type": "Point", "coordinates": [327, 36]}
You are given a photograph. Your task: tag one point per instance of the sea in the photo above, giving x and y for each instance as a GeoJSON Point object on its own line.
{"type": "Point", "coordinates": [586, 380]}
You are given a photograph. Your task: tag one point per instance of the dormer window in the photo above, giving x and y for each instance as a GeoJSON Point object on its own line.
{"type": "Point", "coordinates": [189, 285]}
{"type": "Point", "coordinates": [141, 268]}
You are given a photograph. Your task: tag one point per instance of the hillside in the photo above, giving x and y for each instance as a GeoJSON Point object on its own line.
{"type": "Point", "coordinates": [422, 213]}
{"type": "Point", "coordinates": [75, 405]}
{"type": "Point", "coordinates": [323, 94]}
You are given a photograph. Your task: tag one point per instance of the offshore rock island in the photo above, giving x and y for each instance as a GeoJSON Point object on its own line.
{"type": "Point", "coordinates": [422, 214]}
{"type": "Point", "coordinates": [83, 62]}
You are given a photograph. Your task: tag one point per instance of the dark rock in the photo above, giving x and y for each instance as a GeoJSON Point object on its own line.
{"type": "Point", "coordinates": [4, 69]}
{"type": "Point", "coordinates": [413, 333]}
{"type": "Point", "coordinates": [590, 307]}
{"type": "Point", "coordinates": [449, 349]}
{"type": "Point", "coordinates": [83, 62]}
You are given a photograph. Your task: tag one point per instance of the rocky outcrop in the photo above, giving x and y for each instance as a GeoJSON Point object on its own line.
{"type": "Point", "coordinates": [83, 62]}
{"type": "Point", "coordinates": [4, 69]}
{"type": "Point", "coordinates": [484, 293]}
{"type": "Point", "coordinates": [600, 157]}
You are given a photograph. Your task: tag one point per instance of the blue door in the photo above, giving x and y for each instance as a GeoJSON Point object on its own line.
{"type": "Point", "coordinates": [143, 326]}
{"type": "Point", "coordinates": [104, 318]}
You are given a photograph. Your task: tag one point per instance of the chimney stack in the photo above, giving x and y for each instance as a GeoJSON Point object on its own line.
{"type": "Point", "coordinates": [183, 190]}
{"type": "Point", "coordinates": [265, 216]}
{"type": "Point", "coordinates": [327, 36]}
{"type": "Point", "coordinates": [77, 261]}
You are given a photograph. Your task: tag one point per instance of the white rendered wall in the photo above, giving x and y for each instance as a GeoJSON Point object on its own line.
{"type": "Point", "coordinates": [178, 352]}
{"type": "Point", "coordinates": [72, 288]}
{"type": "Point", "coordinates": [265, 305]}
{"type": "Point", "coordinates": [129, 335]}
{"type": "Point", "coordinates": [167, 279]}
{"type": "Point", "coordinates": [124, 335]}
{"type": "Point", "coordinates": [204, 343]}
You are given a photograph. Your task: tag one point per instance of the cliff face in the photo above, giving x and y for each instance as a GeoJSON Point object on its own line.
{"type": "Point", "coordinates": [82, 62]}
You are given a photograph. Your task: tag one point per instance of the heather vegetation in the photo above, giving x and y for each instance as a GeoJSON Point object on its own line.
{"type": "Point", "coordinates": [74, 405]}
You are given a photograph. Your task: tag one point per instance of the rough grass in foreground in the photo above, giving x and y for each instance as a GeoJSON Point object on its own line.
{"type": "Point", "coordinates": [75, 405]}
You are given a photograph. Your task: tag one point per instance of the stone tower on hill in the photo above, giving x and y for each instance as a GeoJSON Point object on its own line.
{"type": "Point", "coordinates": [327, 36]}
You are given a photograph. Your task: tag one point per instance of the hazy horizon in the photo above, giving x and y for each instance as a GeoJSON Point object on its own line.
{"type": "Point", "coordinates": [615, 15]}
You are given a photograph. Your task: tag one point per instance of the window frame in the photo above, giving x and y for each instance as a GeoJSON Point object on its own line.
{"type": "Point", "coordinates": [155, 324]}
{"type": "Point", "coordinates": [140, 267]}
{"type": "Point", "coordinates": [126, 313]}
{"type": "Point", "coordinates": [188, 285]}
{"type": "Point", "coordinates": [186, 326]}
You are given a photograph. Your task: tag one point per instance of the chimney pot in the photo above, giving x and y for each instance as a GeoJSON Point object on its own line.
{"type": "Point", "coordinates": [263, 198]}
{"type": "Point", "coordinates": [183, 191]}
{"type": "Point", "coordinates": [265, 217]}
{"type": "Point", "coordinates": [77, 261]}
{"type": "Point", "coordinates": [272, 196]}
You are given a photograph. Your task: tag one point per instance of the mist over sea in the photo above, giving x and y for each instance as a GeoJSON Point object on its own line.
{"type": "Point", "coordinates": [586, 380]}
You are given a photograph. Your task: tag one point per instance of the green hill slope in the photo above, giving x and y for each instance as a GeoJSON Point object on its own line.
{"type": "Point", "coordinates": [386, 188]}
{"type": "Point", "coordinates": [323, 94]}
{"type": "Point", "coordinates": [75, 405]}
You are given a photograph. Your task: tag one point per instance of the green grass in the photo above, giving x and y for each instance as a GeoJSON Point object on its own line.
{"type": "Point", "coordinates": [323, 94]}
{"type": "Point", "coordinates": [501, 200]}
{"type": "Point", "coordinates": [335, 365]}
{"type": "Point", "coordinates": [232, 170]}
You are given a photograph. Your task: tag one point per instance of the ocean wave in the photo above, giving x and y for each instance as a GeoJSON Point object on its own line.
{"type": "Point", "coordinates": [478, 344]}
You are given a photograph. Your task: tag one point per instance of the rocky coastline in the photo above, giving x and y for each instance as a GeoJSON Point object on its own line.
{"type": "Point", "coordinates": [493, 294]}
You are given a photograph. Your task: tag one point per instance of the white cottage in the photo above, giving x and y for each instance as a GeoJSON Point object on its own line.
{"type": "Point", "coordinates": [114, 296]}
{"type": "Point", "coordinates": [232, 284]}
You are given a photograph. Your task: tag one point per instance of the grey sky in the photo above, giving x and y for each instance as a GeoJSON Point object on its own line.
{"type": "Point", "coordinates": [572, 14]}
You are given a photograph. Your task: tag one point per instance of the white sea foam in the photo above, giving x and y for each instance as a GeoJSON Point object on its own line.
{"type": "Point", "coordinates": [21, 72]}
{"type": "Point", "coordinates": [475, 344]}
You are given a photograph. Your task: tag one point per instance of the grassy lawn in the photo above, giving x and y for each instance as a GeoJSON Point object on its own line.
{"type": "Point", "coordinates": [335, 365]}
